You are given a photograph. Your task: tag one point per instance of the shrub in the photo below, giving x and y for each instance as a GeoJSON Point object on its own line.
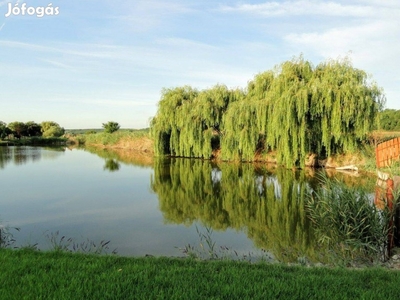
{"type": "Point", "coordinates": [111, 127]}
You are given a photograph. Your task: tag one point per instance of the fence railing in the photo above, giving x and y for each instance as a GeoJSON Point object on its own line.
{"type": "Point", "coordinates": [387, 153]}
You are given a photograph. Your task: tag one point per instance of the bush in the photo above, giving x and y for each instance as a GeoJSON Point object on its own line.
{"type": "Point", "coordinates": [111, 127]}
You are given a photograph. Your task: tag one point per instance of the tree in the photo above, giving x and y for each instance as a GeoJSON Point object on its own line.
{"type": "Point", "coordinates": [51, 129]}
{"type": "Point", "coordinates": [111, 127]}
{"type": "Point", "coordinates": [4, 130]}
{"type": "Point", "coordinates": [33, 129]}
{"type": "Point", "coordinates": [295, 109]}
{"type": "Point", "coordinates": [188, 122]}
{"type": "Point", "coordinates": [390, 120]}
{"type": "Point", "coordinates": [18, 129]}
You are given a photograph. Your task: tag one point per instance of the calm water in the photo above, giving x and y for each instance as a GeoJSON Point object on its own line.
{"type": "Point", "coordinates": [152, 207]}
{"type": "Point", "coordinates": [83, 195]}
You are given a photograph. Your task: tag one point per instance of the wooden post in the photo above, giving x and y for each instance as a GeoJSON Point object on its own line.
{"type": "Point", "coordinates": [389, 199]}
{"type": "Point", "coordinates": [377, 157]}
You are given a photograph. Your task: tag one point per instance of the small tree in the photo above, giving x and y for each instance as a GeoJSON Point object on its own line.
{"type": "Point", "coordinates": [51, 129]}
{"type": "Point", "coordinates": [4, 130]}
{"type": "Point", "coordinates": [33, 129]}
{"type": "Point", "coordinates": [111, 126]}
{"type": "Point", "coordinates": [18, 129]}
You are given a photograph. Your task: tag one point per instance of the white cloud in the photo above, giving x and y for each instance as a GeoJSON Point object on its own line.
{"type": "Point", "coordinates": [308, 7]}
{"type": "Point", "coordinates": [342, 39]}
{"type": "Point", "coordinates": [374, 46]}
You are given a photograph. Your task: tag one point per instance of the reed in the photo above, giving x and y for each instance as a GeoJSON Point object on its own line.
{"type": "Point", "coordinates": [347, 221]}
{"type": "Point", "coordinates": [122, 139]}
{"type": "Point", "coordinates": [6, 236]}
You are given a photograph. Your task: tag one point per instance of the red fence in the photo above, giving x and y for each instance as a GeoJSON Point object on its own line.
{"type": "Point", "coordinates": [387, 152]}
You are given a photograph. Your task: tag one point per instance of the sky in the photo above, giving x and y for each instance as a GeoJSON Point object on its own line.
{"type": "Point", "coordinates": [84, 63]}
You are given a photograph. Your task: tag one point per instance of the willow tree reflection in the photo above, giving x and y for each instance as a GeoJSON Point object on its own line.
{"type": "Point", "coordinates": [269, 204]}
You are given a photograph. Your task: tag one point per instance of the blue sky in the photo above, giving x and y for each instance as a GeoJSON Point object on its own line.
{"type": "Point", "coordinates": [98, 61]}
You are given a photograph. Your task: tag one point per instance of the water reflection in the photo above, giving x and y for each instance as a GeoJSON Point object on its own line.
{"type": "Point", "coordinates": [24, 154]}
{"type": "Point", "coordinates": [267, 203]}
{"type": "Point", "coordinates": [111, 165]}
{"type": "Point", "coordinates": [125, 156]}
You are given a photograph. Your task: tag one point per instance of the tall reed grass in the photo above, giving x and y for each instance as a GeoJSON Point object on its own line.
{"type": "Point", "coordinates": [136, 140]}
{"type": "Point", "coordinates": [347, 221]}
{"type": "Point", "coordinates": [104, 138]}
{"type": "Point", "coordinates": [6, 236]}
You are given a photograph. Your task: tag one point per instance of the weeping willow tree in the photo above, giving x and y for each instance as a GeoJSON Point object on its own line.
{"type": "Point", "coordinates": [188, 122]}
{"type": "Point", "coordinates": [164, 126]}
{"type": "Point", "coordinates": [295, 109]}
{"type": "Point", "coordinates": [288, 110]}
{"type": "Point", "coordinates": [344, 106]}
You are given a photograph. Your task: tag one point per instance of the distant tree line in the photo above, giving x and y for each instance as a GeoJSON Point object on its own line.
{"type": "Point", "coordinates": [390, 120]}
{"type": "Point", "coordinates": [19, 130]}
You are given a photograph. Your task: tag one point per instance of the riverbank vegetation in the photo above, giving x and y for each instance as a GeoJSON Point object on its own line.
{"type": "Point", "coordinates": [349, 221]}
{"type": "Point", "coordinates": [31, 133]}
{"type": "Point", "coordinates": [60, 275]}
{"type": "Point", "coordinates": [35, 141]}
{"type": "Point", "coordinates": [390, 120]}
{"type": "Point", "coordinates": [133, 139]}
{"type": "Point", "coordinates": [18, 130]}
{"type": "Point", "coordinates": [296, 109]}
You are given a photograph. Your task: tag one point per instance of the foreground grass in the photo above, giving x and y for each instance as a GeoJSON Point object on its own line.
{"type": "Point", "coordinates": [28, 274]}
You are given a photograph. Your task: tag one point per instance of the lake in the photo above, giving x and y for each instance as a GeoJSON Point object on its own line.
{"type": "Point", "coordinates": [147, 206]}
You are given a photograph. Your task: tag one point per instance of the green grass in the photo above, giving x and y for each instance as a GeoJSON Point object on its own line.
{"type": "Point", "coordinates": [99, 130]}
{"type": "Point", "coordinates": [28, 274]}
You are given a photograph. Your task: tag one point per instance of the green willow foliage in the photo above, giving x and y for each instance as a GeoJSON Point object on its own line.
{"type": "Point", "coordinates": [296, 109]}
{"type": "Point", "coordinates": [188, 120]}
{"type": "Point", "coordinates": [268, 204]}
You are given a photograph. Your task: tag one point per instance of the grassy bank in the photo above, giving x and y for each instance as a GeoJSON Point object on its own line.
{"type": "Point", "coordinates": [138, 140]}
{"type": "Point", "coordinates": [34, 141]}
{"type": "Point", "coordinates": [28, 274]}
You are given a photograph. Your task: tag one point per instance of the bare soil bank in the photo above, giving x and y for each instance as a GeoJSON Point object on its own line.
{"type": "Point", "coordinates": [145, 147]}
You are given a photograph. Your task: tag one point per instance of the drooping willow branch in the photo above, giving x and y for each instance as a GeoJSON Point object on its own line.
{"type": "Point", "coordinates": [295, 109]}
